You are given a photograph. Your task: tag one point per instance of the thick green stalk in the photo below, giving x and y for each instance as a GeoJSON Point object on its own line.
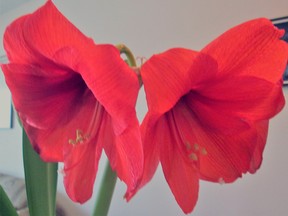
{"type": "Point", "coordinates": [108, 183]}
{"type": "Point", "coordinates": [6, 207]}
{"type": "Point", "coordinates": [41, 181]}
{"type": "Point", "coordinates": [106, 192]}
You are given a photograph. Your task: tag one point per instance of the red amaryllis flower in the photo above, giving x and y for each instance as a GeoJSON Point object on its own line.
{"type": "Point", "coordinates": [208, 111]}
{"type": "Point", "coordinates": [74, 99]}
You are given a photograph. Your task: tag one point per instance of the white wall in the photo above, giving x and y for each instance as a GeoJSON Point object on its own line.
{"type": "Point", "coordinates": [10, 4]}
{"type": "Point", "coordinates": [152, 26]}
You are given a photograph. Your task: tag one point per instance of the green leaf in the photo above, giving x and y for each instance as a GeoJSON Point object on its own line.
{"type": "Point", "coordinates": [6, 207]}
{"type": "Point", "coordinates": [41, 181]}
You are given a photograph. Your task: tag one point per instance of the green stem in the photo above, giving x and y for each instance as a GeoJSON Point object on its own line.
{"type": "Point", "coordinates": [108, 183]}
{"type": "Point", "coordinates": [130, 57]}
{"type": "Point", "coordinates": [40, 180]}
{"type": "Point", "coordinates": [130, 60]}
{"type": "Point", "coordinates": [6, 207]}
{"type": "Point", "coordinates": [106, 192]}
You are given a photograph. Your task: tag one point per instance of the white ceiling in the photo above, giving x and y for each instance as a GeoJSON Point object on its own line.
{"type": "Point", "coordinates": [6, 5]}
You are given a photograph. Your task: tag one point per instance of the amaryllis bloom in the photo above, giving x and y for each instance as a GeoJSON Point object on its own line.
{"type": "Point", "coordinates": [208, 111]}
{"type": "Point", "coordinates": [74, 99]}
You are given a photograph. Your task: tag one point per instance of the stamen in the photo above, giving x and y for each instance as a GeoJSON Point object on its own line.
{"type": "Point", "coordinates": [80, 138]}
{"type": "Point", "coordinates": [203, 151]}
{"type": "Point", "coordinates": [188, 145]}
{"type": "Point", "coordinates": [193, 157]}
{"type": "Point", "coordinates": [142, 60]}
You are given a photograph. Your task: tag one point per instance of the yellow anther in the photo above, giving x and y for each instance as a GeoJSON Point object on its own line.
{"type": "Point", "coordinates": [203, 151]}
{"type": "Point", "coordinates": [193, 157]}
{"type": "Point", "coordinates": [196, 147]}
{"type": "Point", "coordinates": [80, 138]}
{"type": "Point", "coordinates": [188, 145]}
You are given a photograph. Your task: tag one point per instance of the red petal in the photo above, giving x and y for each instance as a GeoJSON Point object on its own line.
{"type": "Point", "coordinates": [13, 40]}
{"type": "Point", "coordinates": [159, 139]}
{"type": "Point", "coordinates": [262, 130]}
{"type": "Point", "coordinates": [150, 142]}
{"type": "Point", "coordinates": [124, 153]}
{"type": "Point", "coordinates": [182, 177]}
{"type": "Point", "coordinates": [232, 102]}
{"type": "Point", "coordinates": [39, 36]}
{"type": "Point", "coordinates": [253, 48]}
{"type": "Point", "coordinates": [81, 166]}
{"type": "Point", "coordinates": [113, 78]}
{"type": "Point", "coordinates": [81, 156]}
{"type": "Point", "coordinates": [75, 111]}
{"type": "Point", "coordinates": [169, 68]}
{"type": "Point", "coordinates": [220, 155]}
{"type": "Point", "coordinates": [44, 32]}
{"type": "Point", "coordinates": [50, 104]}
